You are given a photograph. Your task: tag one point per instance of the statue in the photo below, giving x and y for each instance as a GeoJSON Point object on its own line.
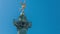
{"type": "Point", "coordinates": [22, 24]}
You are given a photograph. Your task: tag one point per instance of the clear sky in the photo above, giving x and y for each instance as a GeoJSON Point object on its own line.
{"type": "Point", "coordinates": [44, 14]}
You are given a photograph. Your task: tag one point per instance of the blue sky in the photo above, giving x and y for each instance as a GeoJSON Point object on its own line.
{"type": "Point", "coordinates": [44, 14]}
